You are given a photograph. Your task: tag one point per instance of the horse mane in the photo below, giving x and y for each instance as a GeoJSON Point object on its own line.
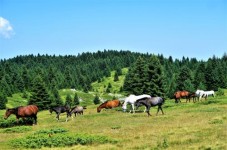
{"type": "Point", "coordinates": [144, 98]}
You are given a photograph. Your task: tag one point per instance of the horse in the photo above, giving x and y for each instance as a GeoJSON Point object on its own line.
{"type": "Point", "coordinates": [60, 109]}
{"type": "Point", "coordinates": [23, 112]}
{"type": "Point", "coordinates": [77, 110]}
{"type": "Point", "coordinates": [131, 99]}
{"type": "Point", "coordinates": [193, 96]}
{"type": "Point", "coordinates": [109, 105]}
{"type": "Point", "coordinates": [199, 94]}
{"type": "Point", "coordinates": [151, 102]}
{"type": "Point", "coordinates": [208, 93]}
{"type": "Point", "coordinates": [181, 94]}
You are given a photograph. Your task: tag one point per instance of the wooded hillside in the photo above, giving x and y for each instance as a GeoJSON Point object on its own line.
{"type": "Point", "coordinates": [51, 73]}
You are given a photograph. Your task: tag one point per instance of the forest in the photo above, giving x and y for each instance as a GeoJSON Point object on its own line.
{"type": "Point", "coordinates": [41, 76]}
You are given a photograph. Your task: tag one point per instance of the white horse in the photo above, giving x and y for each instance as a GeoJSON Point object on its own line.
{"type": "Point", "coordinates": [199, 94]}
{"type": "Point", "coordinates": [131, 99]}
{"type": "Point", "coordinates": [208, 93]}
{"type": "Point", "coordinates": [205, 94]}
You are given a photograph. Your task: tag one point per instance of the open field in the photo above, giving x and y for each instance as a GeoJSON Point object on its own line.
{"type": "Point", "coordinates": [201, 125]}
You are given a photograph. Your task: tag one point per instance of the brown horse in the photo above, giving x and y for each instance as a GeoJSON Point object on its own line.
{"type": "Point", "coordinates": [181, 94]}
{"type": "Point", "coordinates": [109, 105]}
{"type": "Point", "coordinates": [23, 112]}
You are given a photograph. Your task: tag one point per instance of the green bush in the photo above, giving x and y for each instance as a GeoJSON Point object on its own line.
{"type": "Point", "coordinates": [220, 92]}
{"type": "Point", "coordinates": [17, 129]}
{"type": "Point", "coordinates": [13, 122]}
{"type": "Point", "coordinates": [58, 138]}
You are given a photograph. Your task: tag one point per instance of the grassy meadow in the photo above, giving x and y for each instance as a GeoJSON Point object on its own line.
{"type": "Point", "coordinates": [201, 125]}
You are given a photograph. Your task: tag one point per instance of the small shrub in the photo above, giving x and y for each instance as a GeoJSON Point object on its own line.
{"type": "Point", "coordinates": [220, 92]}
{"type": "Point", "coordinates": [55, 138]}
{"type": "Point", "coordinates": [17, 129]}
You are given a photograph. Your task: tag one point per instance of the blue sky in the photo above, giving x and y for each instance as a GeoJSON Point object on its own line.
{"type": "Point", "coordinates": [177, 28]}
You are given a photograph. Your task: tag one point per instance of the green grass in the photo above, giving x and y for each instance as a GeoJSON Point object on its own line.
{"type": "Point", "coordinates": [200, 125]}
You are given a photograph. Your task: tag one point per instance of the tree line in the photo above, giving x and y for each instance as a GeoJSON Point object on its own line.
{"type": "Point", "coordinates": [42, 75]}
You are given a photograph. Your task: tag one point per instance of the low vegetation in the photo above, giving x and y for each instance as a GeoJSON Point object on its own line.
{"type": "Point", "coordinates": [200, 125]}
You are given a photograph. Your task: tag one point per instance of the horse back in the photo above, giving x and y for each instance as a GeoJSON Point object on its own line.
{"type": "Point", "coordinates": [27, 110]}
{"type": "Point", "coordinates": [156, 101]}
{"type": "Point", "coordinates": [113, 103]}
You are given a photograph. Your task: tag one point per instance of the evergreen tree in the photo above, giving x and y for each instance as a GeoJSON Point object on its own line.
{"type": "Point", "coordinates": [3, 101]}
{"type": "Point", "coordinates": [134, 81]}
{"type": "Point", "coordinates": [68, 100]}
{"type": "Point", "coordinates": [56, 101]}
{"type": "Point", "coordinates": [199, 77]}
{"type": "Point", "coordinates": [76, 100]}
{"type": "Point", "coordinates": [116, 77]}
{"type": "Point", "coordinates": [185, 74]}
{"type": "Point", "coordinates": [211, 75]}
{"type": "Point", "coordinates": [96, 100]}
{"type": "Point", "coordinates": [154, 78]}
{"type": "Point", "coordinates": [40, 96]}
{"type": "Point", "coordinates": [5, 88]}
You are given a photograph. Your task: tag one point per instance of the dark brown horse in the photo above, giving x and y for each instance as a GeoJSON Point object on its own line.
{"type": "Point", "coordinates": [60, 109]}
{"type": "Point", "coordinates": [181, 94]}
{"type": "Point", "coordinates": [109, 105]}
{"type": "Point", "coordinates": [23, 112]}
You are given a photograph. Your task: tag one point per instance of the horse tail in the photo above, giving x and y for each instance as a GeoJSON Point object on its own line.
{"type": "Point", "coordinates": [84, 107]}
{"type": "Point", "coordinates": [164, 99]}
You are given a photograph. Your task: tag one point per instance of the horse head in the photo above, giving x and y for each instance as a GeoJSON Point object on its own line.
{"type": "Point", "coordinates": [124, 105]}
{"type": "Point", "coordinates": [98, 109]}
{"type": "Point", "coordinates": [9, 112]}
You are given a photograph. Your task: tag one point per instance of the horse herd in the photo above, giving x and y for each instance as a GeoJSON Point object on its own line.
{"type": "Point", "coordinates": [199, 94]}
{"type": "Point", "coordinates": [134, 100]}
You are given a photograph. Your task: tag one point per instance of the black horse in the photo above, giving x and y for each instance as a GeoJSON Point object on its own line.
{"type": "Point", "coordinates": [60, 109]}
{"type": "Point", "coordinates": [151, 102]}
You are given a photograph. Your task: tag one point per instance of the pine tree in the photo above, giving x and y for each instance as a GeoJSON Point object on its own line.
{"type": "Point", "coordinates": [56, 101]}
{"type": "Point", "coordinates": [76, 100]}
{"type": "Point", "coordinates": [154, 78]}
{"type": "Point", "coordinates": [3, 101]}
{"type": "Point", "coordinates": [199, 77]}
{"type": "Point", "coordinates": [185, 74]}
{"type": "Point", "coordinates": [116, 77]}
{"type": "Point", "coordinates": [135, 79]}
{"type": "Point", "coordinates": [40, 96]}
{"type": "Point", "coordinates": [96, 100]}
{"type": "Point", "coordinates": [211, 75]}
{"type": "Point", "coordinates": [68, 100]}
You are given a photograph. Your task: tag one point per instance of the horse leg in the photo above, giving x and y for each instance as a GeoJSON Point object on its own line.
{"type": "Point", "coordinates": [133, 110]}
{"type": "Point", "coordinates": [35, 119]}
{"type": "Point", "coordinates": [58, 116]}
{"type": "Point", "coordinates": [160, 107]}
{"type": "Point", "coordinates": [148, 111]}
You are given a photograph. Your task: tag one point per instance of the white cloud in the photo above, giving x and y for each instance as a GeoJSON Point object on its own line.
{"type": "Point", "coordinates": [6, 30]}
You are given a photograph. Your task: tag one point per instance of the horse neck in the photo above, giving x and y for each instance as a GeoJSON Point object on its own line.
{"type": "Point", "coordinates": [102, 106]}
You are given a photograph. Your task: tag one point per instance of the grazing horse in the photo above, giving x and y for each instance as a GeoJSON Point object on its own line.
{"type": "Point", "coordinates": [131, 99]}
{"type": "Point", "coordinates": [208, 93]}
{"type": "Point", "coordinates": [60, 109]}
{"type": "Point", "coordinates": [77, 110]}
{"type": "Point", "coordinates": [109, 105]}
{"type": "Point", "coordinates": [23, 112]}
{"type": "Point", "coordinates": [199, 94]}
{"type": "Point", "coordinates": [181, 94]}
{"type": "Point", "coordinates": [193, 96]}
{"type": "Point", "coordinates": [151, 102]}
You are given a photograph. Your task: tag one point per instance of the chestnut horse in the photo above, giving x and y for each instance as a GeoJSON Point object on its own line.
{"type": "Point", "coordinates": [23, 112]}
{"type": "Point", "coordinates": [181, 94]}
{"type": "Point", "coordinates": [109, 105]}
